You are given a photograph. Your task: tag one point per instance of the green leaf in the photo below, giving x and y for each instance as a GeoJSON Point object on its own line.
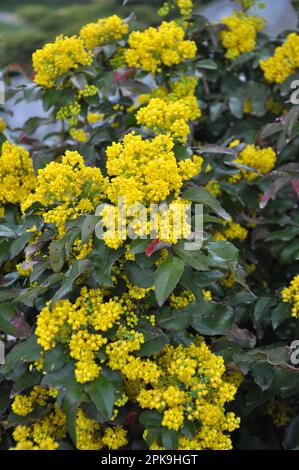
{"type": "Point", "coordinates": [26, 351]}
{"type": "Point", "coordinates": [73, 395]}
{"type": "Point", "coordinates": [211, 319]}
{"type": "Point", "coordinates": [77, 269]}
{"type": "Point", "coordinates": [188, 430]}
{"type": "Point", "coordinates": [88, 227]}
{"type": "Point", "coordinates": [139, 246]}
{"type": "Point", "coordinates": [203, 279]}
{"type": "Point", "coordinates": [7, 314]}
{"type": "Point", "coordinates": [262, 307]}
{"type": "Point", "coordinates": [280, 314]}
{"type": "Point", "coordinates": [150, 418]}
{"type": "Point", "coordinates": [222, 253]}
{"type": "Point", "coordinates": [101, 393]}
{"type": "Point", "coordinates": [208, 64]}
{"type": "Point", "coordinates": [167, 277]}
{"type": "Point", "coordinates": [57, 254]}
{"type": "Point", "coordinates": [169, 439]}
{"type": "Point", "coordinates": [178, 320]}
{"type": "Point", "coordinates": [203, 196]}
{"type": "Point", "coordinates": [6, 232]}
{"type": "Point", "coordinates": [154, 342]}
{"type": "Point", "coordinates": [195, 258]}
{"type": "Point", "coordinates": [29, 379]}
{"type": "Point", "coordinates": [290, 252]}
{"type": "Point", "coordinates": [263, 374]}
{"type": "Point", "coordinates": [55, 358]}
{"type": "Point", "coordinates": [4, 397]}
{"type": "Point", "coordinates": [236, 106]}
{"type": "Point", "coordinates": [61, 378]}
{"type": "Point", "coordinates": [103, 259]}
{"type": "Point", "coordinates": [19, 244]}
{"type": "Point", "coordinates": [291, 435]}
{"type": "Point", "coordinates": [140, 276]}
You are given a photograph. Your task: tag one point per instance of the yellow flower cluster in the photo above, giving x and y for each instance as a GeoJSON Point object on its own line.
{"type": "Point", "coordinates": [279, 412]}
{"type": "Point", "coordinates": [169, 117]}
{"type": "Point", "coordinates": [79, 135]}
{"type": "Point", "coordinates": [156, 47]}
{"type": "Point", "coordinates": [248, 107]}
{"type": "Point", "coordinates": [185, 298]}
{"type": "Point", "coordinates": [43, 434]}
{"type": "Point", "coordinates": [241, 34]}
{"type": "Point", "coordinates": [81, 325]}
{"type": "Point", "coordinates": [2, 125]}
{"type": "Point", "coordinates": [120, 357]}
{"type": "Point", "coordinates": [103, 31]}
{"type": "Point", "coordinates": [71, 187]}
{"type": "Point", "coordinates": [192, 386]}
{"type": "Point", "coordinates": [17, 178]}
{"type": "Point", "coordinates": [274, 106]}
{"type": "Point", "coordinates": [70, 112]}
{"type": "Point", "coordinates": [82, 250]}
{"type": "Point", "coordinates": [90, 437]}
{"type": "Point", "coordinates": [261, 160]}
{"type": "Point", "coordinates": [185, 7]}
{"type": "Point", "coordinates": [115, 438]}
{"type": "Point", "coordinates": [214, 187]}
{"type": "Point", "coordinates": [92, 118]}
{"type": "Point", "coordinates": [51, 323]}
{"type": "Point", "coordinates": [87, 433]}
{"type": "Point", "coordinates": [24, 404]}
{"type": "Point", "coordinates": [291, 295]}
{"type": "Point", "coordinates": [284, 62]}
{"type": "Point", "coordinates": [55, 59]}
{"type": "Point", "coordinates": [181, 301]}
{"type": "Point", "coordinates": [232, 232]}
{"type": "Point", "coordinates": [144, 171]}
{"type": "Point", "coordinates": [23, 270]}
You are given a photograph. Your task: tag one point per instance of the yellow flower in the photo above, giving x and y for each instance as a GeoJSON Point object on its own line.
{"type": "Point", "coordinates": [156, 47]}
{"type": "Point", "coordinates": [55, 59]}
{"type": "Point", "coordinates": [284, 61]}
{"type": "Point", "coordinates": [169, 117]}
{"type": "Point", "coordinates": [43, 434]}
{"type": "Point", "coordinates": [115, 438]}
{"type": "Point", "coordinates": [192, 385]}
{"type": "Point", "coordinates": [262, 160]}
{"type": "Point", "coordinates": [248, 107]}
{"type": "Point", "coordinates": [17, 178]}
{"type": "Point", "coordinates": [104, 31]}
{"type": "Point", "coordinates": [291, 295]}
{"type": "Point", "coordinates": [241, 34]}
{"type": "Point", "coordinates": [2, 125]}
{"type": "Point", "coordinates": [232, 232]}
{"type": "Point", "coordinates": [185, 7]}
{"type": "Point", "coordinates": [70, 188]}
{"type": "Point", "coordinates": [94, 117]}
{"type": "Point", "coordinates": [279, 412]}
{"type": "Point", "coordinates": [79, 134]}
{"type": "Point", "coordinates": [214, 187]}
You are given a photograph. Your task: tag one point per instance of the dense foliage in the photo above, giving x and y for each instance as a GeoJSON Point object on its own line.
{"type": "Point", "coordinates": [133, 341]}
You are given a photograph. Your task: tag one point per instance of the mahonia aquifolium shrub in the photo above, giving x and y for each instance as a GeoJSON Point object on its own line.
{"type": "Point", "coordinates": [119, 341]}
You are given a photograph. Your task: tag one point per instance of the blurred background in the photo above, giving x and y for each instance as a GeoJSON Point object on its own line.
{"type": "Point", "coordinates": [26, 25]}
